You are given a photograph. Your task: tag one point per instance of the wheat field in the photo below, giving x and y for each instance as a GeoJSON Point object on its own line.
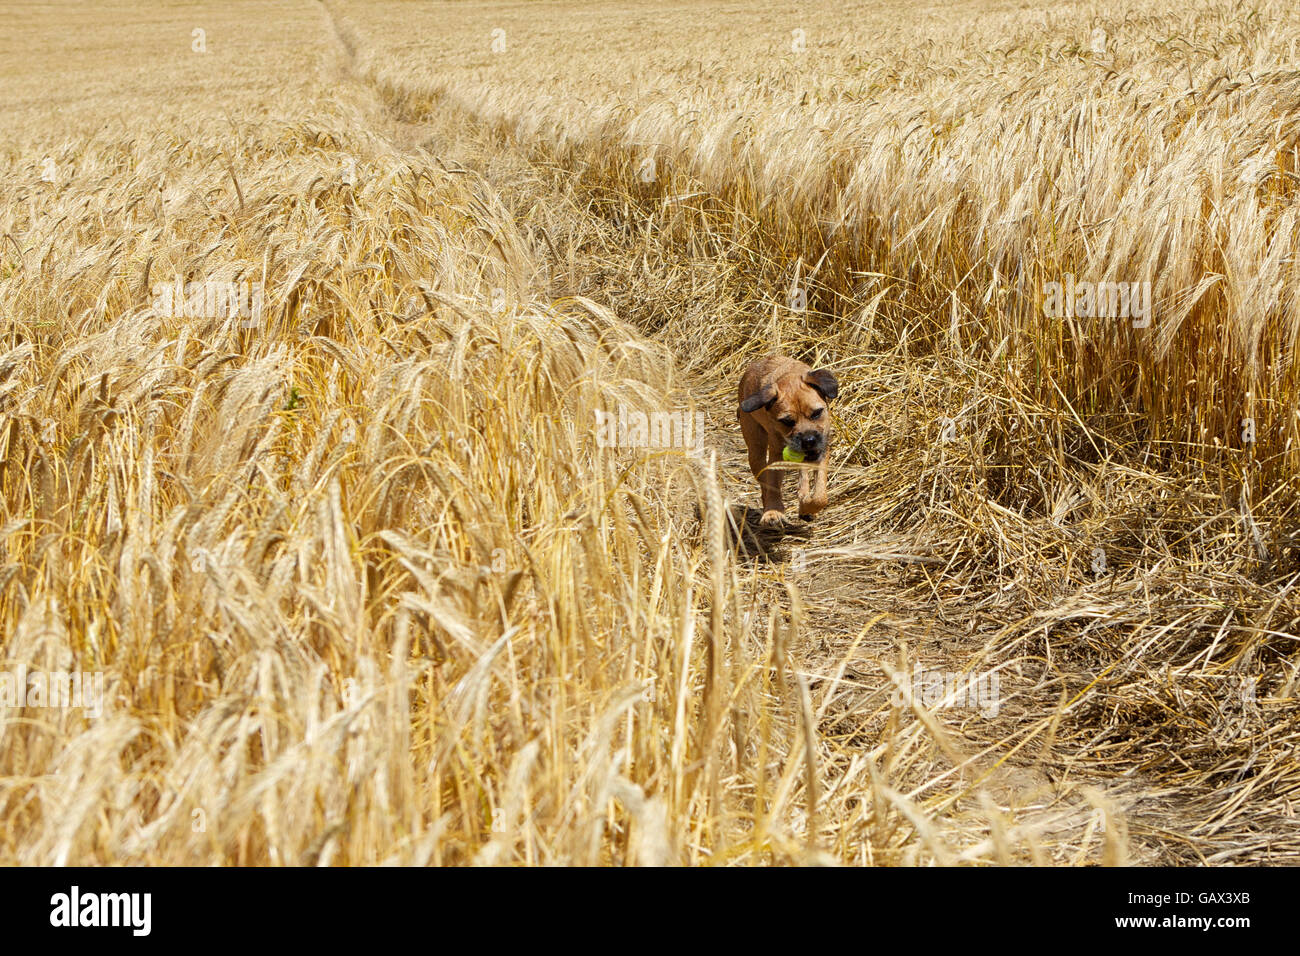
{"type": "Point", "coordinates": [309, 317]}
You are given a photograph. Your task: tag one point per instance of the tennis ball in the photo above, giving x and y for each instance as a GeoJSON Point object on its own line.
{"type": "Point", "coordinates": [789, 454]}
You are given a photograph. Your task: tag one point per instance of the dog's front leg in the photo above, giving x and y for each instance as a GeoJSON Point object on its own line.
{"type": "Point", "coordinates": [809, 505]}
{"type": "Point", "coordinates": [770, 483]}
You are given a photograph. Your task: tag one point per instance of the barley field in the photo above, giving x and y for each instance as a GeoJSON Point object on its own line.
{"type": "Point", "coordinates": [315, 548]}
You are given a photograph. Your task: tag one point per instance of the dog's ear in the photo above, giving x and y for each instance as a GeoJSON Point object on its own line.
{"type": "Point", "coordinates": [824, 381]}
{"type": "Point", "coordinates": [764, 396]}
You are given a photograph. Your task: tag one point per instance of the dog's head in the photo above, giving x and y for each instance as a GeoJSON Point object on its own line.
{"type": "Point", "coordinates": [797, 404]}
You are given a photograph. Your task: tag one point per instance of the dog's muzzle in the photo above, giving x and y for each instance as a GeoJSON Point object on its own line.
{"type": "Point", "coordinates": [812, 444]}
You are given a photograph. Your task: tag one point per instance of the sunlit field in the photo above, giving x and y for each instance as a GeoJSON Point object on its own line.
{"type": "Point", "coordinates": [314, 549]}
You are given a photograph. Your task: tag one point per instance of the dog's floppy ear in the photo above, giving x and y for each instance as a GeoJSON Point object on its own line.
{"type": "Point", "coordinates": [824, 381]}
{"type": "Point", "coordinates": [764, 396]}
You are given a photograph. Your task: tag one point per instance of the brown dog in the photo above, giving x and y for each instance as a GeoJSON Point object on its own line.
{"type": "Point", "coordinates": [783, 405]}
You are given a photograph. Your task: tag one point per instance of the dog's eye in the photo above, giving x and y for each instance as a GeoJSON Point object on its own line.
{"type": "Point", "coordinates": [817, 414]}
{"type": "Point", "coordinates": [788, 422]}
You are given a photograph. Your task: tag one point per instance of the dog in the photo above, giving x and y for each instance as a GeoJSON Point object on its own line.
{"type": "Point", "coordinates": [783, 404]}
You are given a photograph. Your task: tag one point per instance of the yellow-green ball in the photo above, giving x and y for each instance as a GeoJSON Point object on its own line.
{"type": "Point", "coordinates": [789, 454]}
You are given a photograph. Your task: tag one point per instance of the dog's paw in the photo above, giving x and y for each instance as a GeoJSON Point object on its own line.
{"type": "Point", "coordinates": [772, 519]}
{"type": "Point", "coordinates": [811, 507]}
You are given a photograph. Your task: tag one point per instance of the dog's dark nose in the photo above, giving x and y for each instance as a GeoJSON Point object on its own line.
{"type": "Point", "coordinates": [810, 441]}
